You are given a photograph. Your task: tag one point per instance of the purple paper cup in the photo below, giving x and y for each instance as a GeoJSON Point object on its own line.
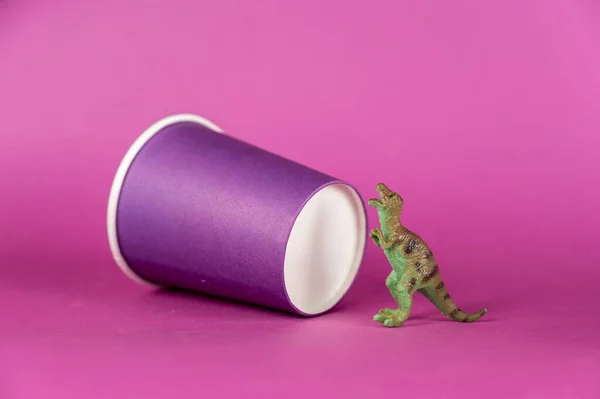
{"type": "Point", "coordinates": [193, 208]}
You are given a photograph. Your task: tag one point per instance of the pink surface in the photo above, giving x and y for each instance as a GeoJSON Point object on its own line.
{"type": "Point", "coordinates": [485, 117]}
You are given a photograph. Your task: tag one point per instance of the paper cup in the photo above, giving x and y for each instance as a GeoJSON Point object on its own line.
{"type": "Point", "coordinates": [194, 208]}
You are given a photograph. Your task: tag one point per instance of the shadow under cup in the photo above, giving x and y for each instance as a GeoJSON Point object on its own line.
{"type": "Point", "coordinates": [194, 208]}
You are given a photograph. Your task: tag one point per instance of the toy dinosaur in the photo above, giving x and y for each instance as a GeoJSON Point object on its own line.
{"type": "Point", "coordinates": [413, 264]}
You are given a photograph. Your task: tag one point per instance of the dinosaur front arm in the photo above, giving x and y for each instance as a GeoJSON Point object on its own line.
{"type": "Point", "coordinates": [379, 239]}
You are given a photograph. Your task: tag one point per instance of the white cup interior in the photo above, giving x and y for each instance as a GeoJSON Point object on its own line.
{"type": "Point", "coordinates": [325, 249]}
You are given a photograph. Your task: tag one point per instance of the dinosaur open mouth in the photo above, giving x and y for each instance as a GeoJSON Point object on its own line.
{"type": "Point", "coordinates": [374, 202]}
{"type": "Point", "coordinates": [383, 192]}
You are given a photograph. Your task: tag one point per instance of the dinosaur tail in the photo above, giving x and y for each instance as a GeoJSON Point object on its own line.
{"type": "Point", "coordinates": [438, 295]}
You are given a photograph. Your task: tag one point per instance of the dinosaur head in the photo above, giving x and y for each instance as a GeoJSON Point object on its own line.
{"type": "Point", "coordinates": [389, 202]}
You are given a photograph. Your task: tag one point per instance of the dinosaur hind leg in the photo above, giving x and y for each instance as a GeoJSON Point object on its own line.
{"type": "Point", "coordinates": [402, 292]}
{"type": "Point", "coordinates": [405, 301]}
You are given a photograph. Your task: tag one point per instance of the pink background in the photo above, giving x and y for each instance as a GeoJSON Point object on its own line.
{"type": "Point", "coordinates": [485, 117]}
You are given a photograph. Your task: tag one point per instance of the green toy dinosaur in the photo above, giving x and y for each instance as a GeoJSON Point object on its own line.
{"type": "Point", "coordinates": [413, 264]}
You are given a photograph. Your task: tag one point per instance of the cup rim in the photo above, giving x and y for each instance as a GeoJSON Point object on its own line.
{"type": "Point", "coordinates": [119, 179]}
